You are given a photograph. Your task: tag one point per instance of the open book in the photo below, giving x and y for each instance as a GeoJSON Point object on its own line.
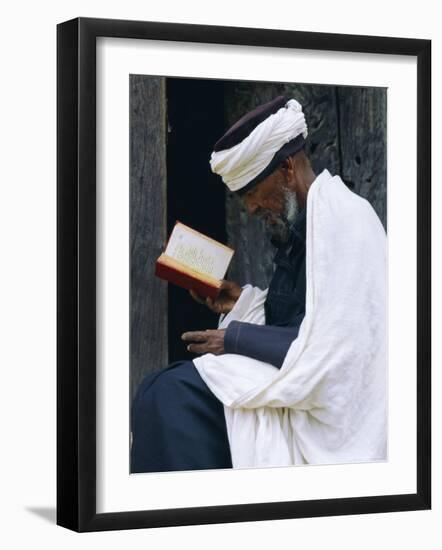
{"type": "Point", "coordinates": [194, 261]}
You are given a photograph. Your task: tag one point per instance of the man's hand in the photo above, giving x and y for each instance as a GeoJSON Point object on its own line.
{"type": "Point", "coordinates": [230, 292]}
{"type": "Point", "coordinates": [205, 341]}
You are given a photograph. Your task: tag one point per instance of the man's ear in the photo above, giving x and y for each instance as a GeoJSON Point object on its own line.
{"type": "Point", "coordinates": [285, 164]}
{"type": "Point", "coordinates": [288, 170]}
{"type": "Point", "coordinates": [284, 167]}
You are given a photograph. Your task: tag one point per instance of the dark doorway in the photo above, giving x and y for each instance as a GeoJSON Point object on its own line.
{"type": "Point", "coordinates": [195, 196]}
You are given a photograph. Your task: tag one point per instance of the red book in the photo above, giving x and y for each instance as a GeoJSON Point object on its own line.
{"type": "Point", "coordinates": [194, 261]}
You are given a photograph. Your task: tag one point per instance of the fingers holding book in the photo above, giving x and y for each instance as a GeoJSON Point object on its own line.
{"type": "Point", "coordinates": [231, 289]}
{"type": "Point", "coordinates": [226, 299]}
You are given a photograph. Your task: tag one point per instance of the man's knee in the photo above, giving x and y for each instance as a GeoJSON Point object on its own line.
{"type": "Point", "coordinates": [161, 386]}
{"type": "Point", "coordinates": [178, 423]}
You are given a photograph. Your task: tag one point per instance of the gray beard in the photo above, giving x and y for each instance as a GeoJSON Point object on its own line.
{"type": "Point", "coordinates": [280, 230]}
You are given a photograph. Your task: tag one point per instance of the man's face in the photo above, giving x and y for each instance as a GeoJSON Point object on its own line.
{"type": "Point", "coordinates": [276, 203]}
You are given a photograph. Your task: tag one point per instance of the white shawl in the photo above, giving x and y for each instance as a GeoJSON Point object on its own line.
{"type": "Point", "coordinates": [327, 403]}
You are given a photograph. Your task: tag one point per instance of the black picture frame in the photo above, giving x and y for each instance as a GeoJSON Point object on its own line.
{"type": "Point", "coordinates": [76, 273]}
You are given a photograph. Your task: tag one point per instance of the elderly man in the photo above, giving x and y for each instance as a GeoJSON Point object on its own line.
{"type": "Point", "coordinates": [178, 422]}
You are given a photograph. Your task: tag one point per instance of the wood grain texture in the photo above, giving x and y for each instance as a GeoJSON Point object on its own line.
{"type": "Point", "coordinates": [148, 296]}
{"type": "Point", "coordinates": [363, 129]}
{"type": "Point", "coordinates": [347, 135]}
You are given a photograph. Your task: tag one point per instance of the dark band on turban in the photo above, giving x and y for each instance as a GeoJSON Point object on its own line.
{"type": "Point", "coordinates": [290, 148]}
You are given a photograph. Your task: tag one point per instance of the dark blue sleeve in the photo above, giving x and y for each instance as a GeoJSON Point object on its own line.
{"type": "Point", "coordinates": [266, 343]}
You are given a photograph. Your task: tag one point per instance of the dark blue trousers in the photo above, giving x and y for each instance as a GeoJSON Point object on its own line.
{"type": "Point", "coordinates": [177, 423]}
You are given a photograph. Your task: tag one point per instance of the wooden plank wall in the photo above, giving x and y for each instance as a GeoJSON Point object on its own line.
{"type": "Point", "coordinates": [347, 135]}
{"type": "Point", "coordinates": [363, 131]}
{"type": "Point", "coordinates": [148, 211]}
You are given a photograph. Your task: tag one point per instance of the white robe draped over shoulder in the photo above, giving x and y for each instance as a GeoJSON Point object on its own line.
{"type": "Point", "coordinates": [327, 403]}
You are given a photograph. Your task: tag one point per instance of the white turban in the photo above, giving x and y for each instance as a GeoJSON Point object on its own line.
{"type": "Point", "coordinates": [241, 163]}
